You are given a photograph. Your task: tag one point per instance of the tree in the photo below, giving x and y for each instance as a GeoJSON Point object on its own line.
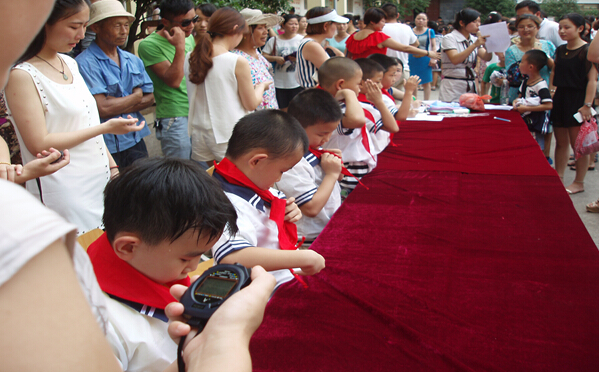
{"type": "Point", "coordinates": [505, 7]}
{"type": "Point", "coordinates": [405, 7]}
{"type": "Point", "coordinates": [557, 8]}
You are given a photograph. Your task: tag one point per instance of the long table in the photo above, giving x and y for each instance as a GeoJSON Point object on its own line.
{"type": "Point", "coordinates": [464, 253]}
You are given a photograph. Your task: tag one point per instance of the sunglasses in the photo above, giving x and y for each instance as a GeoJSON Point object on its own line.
{"type": "Point", "coordinates": [187, 22]}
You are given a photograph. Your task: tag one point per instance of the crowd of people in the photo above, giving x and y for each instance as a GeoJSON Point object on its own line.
{"type": "Point", "coordinates": [289, 111]}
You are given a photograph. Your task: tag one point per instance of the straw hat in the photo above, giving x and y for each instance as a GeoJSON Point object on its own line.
{"type": "Point", "coordinates": [103, 9]}
{"type": "Point", "coordinates": [255, 17]}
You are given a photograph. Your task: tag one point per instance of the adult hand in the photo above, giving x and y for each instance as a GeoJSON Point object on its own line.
{"type": "Point", "coordinates": [176, 37]}
{"type": "Point", "coordinates": [123, 126]}
{"type": "Point", "coordinates": [434, 55]}
{"type": "Point", "coordinates": [47, 162]}
{"type": "Point", "coordinates": [280, 60]}
{"type": "Point", "coordinates": [585, 111]}
{"type": "Point", "coordinates": [292, 211]}
{"type": "Point", "coordinates": [10, 171]}
{"type": "Point", "coordinates": [480, 39]}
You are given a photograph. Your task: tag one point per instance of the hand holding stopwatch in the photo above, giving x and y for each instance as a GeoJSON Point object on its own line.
{"type": "Point", "coordinates": [206, 294]}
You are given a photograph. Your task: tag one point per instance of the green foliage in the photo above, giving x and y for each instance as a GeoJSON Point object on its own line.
{"type": "Point", "coordinates": [266, 6]}
{"type": "Point", "coordinates": [557, 8]}
{"type": "Point", "coordinates": [142, 7]}
{"type": "Point", "coordinates": [405, 8]}
{"type": "Point", "coordinates": [505, 7]}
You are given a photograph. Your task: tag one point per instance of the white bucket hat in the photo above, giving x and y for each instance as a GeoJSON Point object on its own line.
{"type": "Point", "coordinates": [103, 9]}
{"type": "Point", "coordinates": [329, 17]}
{"type": "Point", "coordinates": [255, 17]}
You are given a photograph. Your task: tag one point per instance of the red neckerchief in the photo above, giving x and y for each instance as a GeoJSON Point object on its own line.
{"type": "Point", "coordinates": [318, 153]}
{"type": "Point", "coordinates": [362, 98]}
{"type": "Point", "coordinates": [287, 230]}
{"type": "Point", "coordinates": [386, 92]}
{"type": "Point", "coordinates": [118, 278]}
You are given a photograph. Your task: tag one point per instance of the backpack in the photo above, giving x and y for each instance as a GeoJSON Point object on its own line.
{"type": "Point", "coordinates": [514, 76]}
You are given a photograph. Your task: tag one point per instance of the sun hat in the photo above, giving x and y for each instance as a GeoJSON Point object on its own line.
{"type": "Point", "coordinates": [255, 17]}
{"type": "Point", "coordinates": [329, 17]}
{"type": "Point", "coordinates": [103, 9]}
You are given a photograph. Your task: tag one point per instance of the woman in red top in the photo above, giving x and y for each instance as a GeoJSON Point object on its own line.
{"type": "Point", "coordinates": [372, 40]}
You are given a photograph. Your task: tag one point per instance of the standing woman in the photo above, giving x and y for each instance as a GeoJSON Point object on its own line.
{"type": "Point", "coordinates": [303, 23]}
{"type": "Point", "coordinates": [254, 38]}
{"type": "Point", "coordinates": [203, 12]}
{"type": "Point", "coordinates": [423, 66]}
{"type": "Point", "coordinates": [282, 50]}
{"type": "Point", "coordinates": [528, 27]}
{"type": "Point", "coordinates": [219, 86]}
{"type": "Point", "coordinates": [574, 82]}
{"type": "Point", "coordinates": [371, 39]}
{"type": "Point", "coordinates": [322, 24]}
{"type": "Point", "coordinates": [459, 50]}
{"type": "Point", "coordinates": [338, 41]}
{"type": "Point", "coordinates": [51, 106]}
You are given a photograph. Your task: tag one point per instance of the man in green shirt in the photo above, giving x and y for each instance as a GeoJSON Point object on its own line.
{"type": "Point", "coordinates": [163, 53]}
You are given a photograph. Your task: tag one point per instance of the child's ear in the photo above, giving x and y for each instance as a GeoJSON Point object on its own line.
{"type": "Point", "coordinates": [125, 245]}
{"type": "Point", "coordinates": [256, 159]}
{"type": "Point", "coordinates": [339, 84]}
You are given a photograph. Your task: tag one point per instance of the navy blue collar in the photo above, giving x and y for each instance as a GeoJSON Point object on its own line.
{"type": "Point", "coordinates": [243, 192]}
{"type": "Point", "coordinates": [142, 309]}
{"type": "Point", "coordinates": [311, 159]}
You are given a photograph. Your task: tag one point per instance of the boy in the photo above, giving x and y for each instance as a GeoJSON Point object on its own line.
{"type": "Point", "coordinates": [160, 215]}
{"type": "Point", "coordinates": [534, 99]}
{"type": "Point", "coordinates": [342, 78]}
{"type": "Point", "coordinates": [494, 78]}
{"type": "Point", "coordinates": [313, 181]}
{"type": "Point", "coordinates": [263, 145]}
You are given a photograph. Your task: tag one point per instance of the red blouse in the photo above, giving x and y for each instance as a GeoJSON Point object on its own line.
{"type": "Point", "coordinates": [368, 46]}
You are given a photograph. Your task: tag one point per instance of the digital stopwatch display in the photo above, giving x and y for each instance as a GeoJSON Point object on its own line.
{"type": "Point", "coordinates": [215, 287]}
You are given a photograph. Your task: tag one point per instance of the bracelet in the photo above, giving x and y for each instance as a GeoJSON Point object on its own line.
{"type": "Point", "coordinates": [115, 167]}
{"type": "Point", "coordinates": [3, 162]}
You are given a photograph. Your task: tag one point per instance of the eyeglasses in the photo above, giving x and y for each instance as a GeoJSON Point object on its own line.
{"type": "Point", "coordinates": [527, 28]}
{"type": "Point", "coordinates": [187, 22]}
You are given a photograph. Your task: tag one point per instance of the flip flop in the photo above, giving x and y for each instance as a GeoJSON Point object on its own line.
{"type": "Point", "coordinates": [574, 192]}
{"type": "Point", "coordinates": [591, 167]}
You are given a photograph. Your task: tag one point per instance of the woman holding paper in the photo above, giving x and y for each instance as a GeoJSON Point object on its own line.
{"type": "Point", "coordinates": [459, 50]}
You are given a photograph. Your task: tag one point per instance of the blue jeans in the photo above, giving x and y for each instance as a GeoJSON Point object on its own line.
{"type": "Point", "coordinates": [174, 137]}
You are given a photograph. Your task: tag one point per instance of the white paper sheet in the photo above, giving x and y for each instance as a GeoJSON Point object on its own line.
{"type": "Point", "coordinates": [426, 117]}
{"type": "Point", "coordinates": [499, 107]}
{"type": "Point", "coordinates": [499, 38]}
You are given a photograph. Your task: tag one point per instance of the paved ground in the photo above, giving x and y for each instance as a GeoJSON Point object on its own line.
{"type": "Point", "coordinates": [590, 220]}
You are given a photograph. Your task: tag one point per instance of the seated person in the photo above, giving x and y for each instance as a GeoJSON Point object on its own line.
{"type": "Point", "coordinates": [160, 216]}
{"type": "Point", "coordinates": [263, 145]}
{"type": "Point", "coordinates": [342, 77]}
{"type": "Point", "coordinates": [313, 181]}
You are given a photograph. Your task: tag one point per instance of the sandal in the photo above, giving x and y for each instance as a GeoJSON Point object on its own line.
{"type": "Point", "coordinates": [591, 167]}
{"type": "Point", "coordinates": [570, 192]}
{"type": "Point", "coordinates": [593, 207]}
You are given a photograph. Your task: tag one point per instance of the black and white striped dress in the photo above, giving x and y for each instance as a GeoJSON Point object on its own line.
{"type": "Point", "coordinates": [305, 69]}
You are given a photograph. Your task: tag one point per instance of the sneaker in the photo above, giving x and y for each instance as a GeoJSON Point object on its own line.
{"type": "Point", "coordinates": [549, 160]}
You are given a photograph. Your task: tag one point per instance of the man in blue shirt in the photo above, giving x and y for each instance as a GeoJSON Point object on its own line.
{"type": "Point", "coordinates": [117, 79]}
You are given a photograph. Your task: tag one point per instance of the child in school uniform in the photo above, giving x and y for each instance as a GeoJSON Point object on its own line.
{"type": "Point", "coordinates": [534, 99]}
{"type": "Point", "coordinates": [263, 146]}
{"type": "Point", "coordinates": [342, 77]}
{"type": "Point", "coordinates": [160, 215]}
{"type": "Point", "coordinates": [313, 181]}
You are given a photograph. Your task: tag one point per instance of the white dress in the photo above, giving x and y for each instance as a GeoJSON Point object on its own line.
{"type": "Point", "coordinates": [75, 191]}
{"type": "Point", "coordinates": [214, 108]}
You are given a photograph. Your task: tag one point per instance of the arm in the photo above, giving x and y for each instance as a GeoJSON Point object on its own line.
{"type": "Point", "coordinates": [314, 53]}
{"type": "Point", "coordinates": [354, 113]}
{"type": "Point", "coordinates": [374, 95]}
{"type": "Point", "coordinates": [109, 106]}
{"type": "Point", "coordinates": [309, 261]}
{"type": "Point", "coordinates": [406, 104]}
{"type": "Point", "coordinates": [542, 107]}
{"type": "Point", "coordinates": [26, 107]}
{"type": "Point", "coordinates": [590, 94]}
{"type": "Point", "coordinates": [250, 95]}
{"type": "Point", "coordinates": [172, 73]}
{"type": "Point", "coordinates": [593, 52]}
{"type": "Point", "coordinates": [392, 44]}
{"type": "Point", "coordinates": [331, 166]}
{"type": "Point", "coordinates": [267, 52]}
{"type": "Point", "coordinates": [457, 58]}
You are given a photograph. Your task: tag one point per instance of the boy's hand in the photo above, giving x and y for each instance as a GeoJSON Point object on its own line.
{"type": "Point", "coordinates": [331, 164]}
{"type": "Point", "coordinates": [311, 262]}
{"type": "Point", "coordinates": [292, 211]}
{"type": "Point", "coordinates": [373, 91]}
{"type": "Point", "coordinates": [123, 126]}
{"type": "Point", "coordinates": [412, 84]}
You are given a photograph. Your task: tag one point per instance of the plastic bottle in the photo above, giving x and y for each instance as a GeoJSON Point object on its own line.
{"type": "Point", "coordinates": [505, 92]}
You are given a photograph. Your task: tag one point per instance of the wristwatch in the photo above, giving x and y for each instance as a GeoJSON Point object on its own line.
{"type": "Point", "coordinates": [588, 104]}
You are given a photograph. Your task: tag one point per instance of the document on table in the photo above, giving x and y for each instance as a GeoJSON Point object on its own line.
{"type": "Point", "coordinates": [499, 38]}
{"type": "Point", "coordinates": [489, 106]}
{"type": "Point", "coordinates": [426, 117]}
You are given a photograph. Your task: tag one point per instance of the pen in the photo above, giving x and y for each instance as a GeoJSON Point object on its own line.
{"type": "Point", "coordinates": [502, 119]}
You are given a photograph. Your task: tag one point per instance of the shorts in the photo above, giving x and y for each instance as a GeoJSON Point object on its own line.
{"type": "Point", "coordinates": [204, 146]}
{"type": "Point", "coordinates": [284, 96]}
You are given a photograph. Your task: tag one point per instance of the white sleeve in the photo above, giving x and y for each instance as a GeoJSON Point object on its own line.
{"type": "Point", "coordinates": [269, 44]}
{"type": "Point", "coordinates": [245, 237]}
{"type": "Point", "coordinates": [298, 183]}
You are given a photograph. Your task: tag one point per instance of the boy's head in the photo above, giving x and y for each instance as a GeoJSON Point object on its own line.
{"type": "Point", "coordinates": [266, 143]}
{"type": "Point", "coordinates": [371, 70]}
{"type": "Point", "coordinates": [340, 73]}
{"type": "Point", "coordinates": [161, 214]}
{"type": "Point", "coordinates": [533, 61]}
{"type": "Point", "coordinates": [391, 67]}
{"type": "Point", "coordinates": [322, 117]}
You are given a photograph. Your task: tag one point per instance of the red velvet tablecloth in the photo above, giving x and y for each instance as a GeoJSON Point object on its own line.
{"type": "Point", "coordinates": [465, 254]}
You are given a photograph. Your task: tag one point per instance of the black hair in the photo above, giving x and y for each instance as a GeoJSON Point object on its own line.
{"type": "Point", "coordinates": [336, 68]}
{"type": "Point", "coordinates": [207, 9]}
{"type": "Point", "coordinates": [433, 26]}
{"type": "Point", "coordinates": [531, 5]}
{"type": "Point", "coordinates": [537, 58]}
{"type": "Point", "coordinates": [577, 20]}
{"type": "Point", "coordinates": [369, 67]}
{"type": "Point", "coordinates": [374, 15]}
{"type": "Point", "coordinates": [465, 15]}
{"type": "Point", "coordinates": [493, 17]}
{"type": "Point", "coordinates": [162, 198]}
{"type": "Point", "coordinates": [289, 17]}
{"type": "Point", "coordinates": [384, 60]}
{"type": "Point", "coordinates": [277, 132]}
{"type": "Point", "coordinates": [62, 9]}
{"type": "Point", "coordinates": [390, 10]}
{"type": "Point", "coordinates": [324, 108]}
{"type": "Point", "coordinates": [169, 9]}
{"type": "Point", "coordinates": [351, 18]}
{"type": "Point", "coordinates": [399, 62]}
{"type": "Point", "coordinates": [532, 17]}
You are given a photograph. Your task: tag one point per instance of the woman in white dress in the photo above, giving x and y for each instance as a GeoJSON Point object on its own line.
{"type": "Point", "coordinates": [50, 106]}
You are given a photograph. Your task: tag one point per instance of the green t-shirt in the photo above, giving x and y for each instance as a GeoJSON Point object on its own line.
{"type": "Point", "coordinates": [495, 91]}
{"type": "Point", "coordinates": [170, 102]}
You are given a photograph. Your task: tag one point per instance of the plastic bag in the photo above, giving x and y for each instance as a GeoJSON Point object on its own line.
{"type": "Point", "coordinates": [473, 101]}
{"type": "Point", "coordinates": [587, 141]}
